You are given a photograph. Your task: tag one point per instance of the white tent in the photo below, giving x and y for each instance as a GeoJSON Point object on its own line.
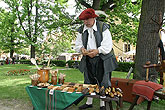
{"type": "Point", "coordinates": [133, 52]}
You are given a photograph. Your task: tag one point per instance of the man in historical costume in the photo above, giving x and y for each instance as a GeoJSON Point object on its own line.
{"type": "Point", "coordinates": [94, 41]}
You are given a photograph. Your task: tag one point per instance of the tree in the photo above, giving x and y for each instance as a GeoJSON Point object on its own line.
{"type": "Point", "coordinates": [53, 45]}
{"type": "Point", "coordinates": [123, 26]}
{"type": "Point", "coordinates": [36, 17]}
{"type": "Point", "coordinates": [151, 20]}
{"type": "Point", "coordinates": [152, 12]}
{"type": "Point", "coordinates": [10, 33]}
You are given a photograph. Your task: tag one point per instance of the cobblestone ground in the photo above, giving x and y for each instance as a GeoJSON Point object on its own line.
{"type": "Point", "coordinates": [13, 104]}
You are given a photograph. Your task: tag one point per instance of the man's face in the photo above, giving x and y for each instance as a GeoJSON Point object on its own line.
{"type": "Point", "coordinates": [89, 22]}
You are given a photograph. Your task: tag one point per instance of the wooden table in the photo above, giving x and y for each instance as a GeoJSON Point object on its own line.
{"type": "Point", "coordinates": [108, 101]}
{"type": "Point", "coordinates": [43, 99]}
{"type": "Point", "coordinates": [156, 93]}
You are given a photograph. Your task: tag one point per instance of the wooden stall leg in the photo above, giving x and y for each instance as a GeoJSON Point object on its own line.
{"type": "Point", "coordinates": [121, 102]}
{"type": "Point", "coordinates": [149, 105]}
{"type": "Point", "coordinates": [134, 103]}
{"type": "Point", "coordinates": [117, 105]}
{"type": "Point", "coordinates": [161, 78]}
{"type": "Point", "coordinates": [108, 105]}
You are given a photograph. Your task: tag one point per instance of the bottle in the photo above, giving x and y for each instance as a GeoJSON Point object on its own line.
{"type": "Point", "coordinates": [54, 80]}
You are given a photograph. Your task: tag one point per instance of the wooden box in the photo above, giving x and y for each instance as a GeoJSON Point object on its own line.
{"type": "Point", "coordinates": [126, 86]}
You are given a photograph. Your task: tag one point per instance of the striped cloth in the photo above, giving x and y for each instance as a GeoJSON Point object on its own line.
{"type": "Point", "coordinates": [146, 89]}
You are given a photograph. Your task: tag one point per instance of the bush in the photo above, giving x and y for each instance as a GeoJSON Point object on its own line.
{"type": "Point", "coordinates": [71, 63]}
{"type": "Point", "coordinates": [18, 72]}
{"type": "Point", "coordinates": [60, 63]}
{"type": "Point", "coordinates": [23, 61]}
{"type": "Point", "coordinates": [125, 66]}
{"type": "Point", "coordinates": [122, 66]}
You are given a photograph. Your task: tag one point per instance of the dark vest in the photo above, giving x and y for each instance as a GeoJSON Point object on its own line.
{"type": "Point", "coordinates": [109, 59]}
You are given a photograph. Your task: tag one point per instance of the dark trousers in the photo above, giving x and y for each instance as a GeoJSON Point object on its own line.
{"type": "Point", "coordinates": [95, 72]}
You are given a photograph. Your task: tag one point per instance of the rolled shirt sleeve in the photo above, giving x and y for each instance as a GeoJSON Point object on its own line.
{"type": "Point", "coordinates": [78, 43]}
{"type": "Point", "coordinates": [106, 44]}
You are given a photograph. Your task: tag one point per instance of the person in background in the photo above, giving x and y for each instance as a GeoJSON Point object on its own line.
{"type": "Point", "coordinates": [94, 41]}
{"type": "Point", "coordinates": [7, 60]}
{"type": "Point", "coordinates": [13, 60]}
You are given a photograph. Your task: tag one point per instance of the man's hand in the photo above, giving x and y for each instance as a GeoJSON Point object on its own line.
{"type": "Point", "coordinates": [93, 52]}
{"type": "Point", "coordinates": [84, 51]}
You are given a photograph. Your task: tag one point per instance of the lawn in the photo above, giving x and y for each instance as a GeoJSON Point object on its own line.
{"type": "Point", "coordinates": [13, 87]}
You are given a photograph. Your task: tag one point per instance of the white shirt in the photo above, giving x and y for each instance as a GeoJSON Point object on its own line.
{"type": "Point", "coordinates": [163, 38]}
{"type": "Point", "coordinates": [106, 44]}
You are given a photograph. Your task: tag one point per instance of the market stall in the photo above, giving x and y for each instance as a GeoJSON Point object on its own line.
{"type": "Point", "coordinates": [60, 97]}
{"type": "Point", "coordinates": [44, 99]}
{"type": "Point", "coordinates": [56, 94]}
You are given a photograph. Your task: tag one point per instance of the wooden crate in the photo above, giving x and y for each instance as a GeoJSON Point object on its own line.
{"type": "Point", "coordinates": [126, 86]}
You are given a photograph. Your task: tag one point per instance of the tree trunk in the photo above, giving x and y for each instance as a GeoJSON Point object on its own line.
{"type": "Point", "coordinates": [148, 38]}
{"type": "Point", "coordinates": [11, 52]}
{"type": "Point", "coordinates": [12, 42]}
{"type": "Point", "coordinates": [96, 4]}
{"type": "Point", "coordinates": [32, 51]}
{"type": "Point", "coordinates": [35, 32]}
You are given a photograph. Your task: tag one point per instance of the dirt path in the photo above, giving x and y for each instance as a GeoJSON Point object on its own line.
{"type": "Point", "coordinates": [6, 104]}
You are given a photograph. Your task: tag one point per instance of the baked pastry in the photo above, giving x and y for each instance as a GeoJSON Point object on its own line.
{"type": "Point", "coordinates": [50, 87]}
{"type": "Point", "coordinates": [86, 85]}
{"type": "Point", "coordinates": [113, 90]}
{"type": "Point", "coordinates": [76, 85]}
{"type": "Point", "coordinates": [71, 89]}
{"type": "Point", "coordinates": [91, 90]}
{"type": "Point", "coordinates": [43, 84]}
{"type": "Point", "coordinates": [93, 86]}
{"type": "Point", "coordinates": [79, 89]}
{"type": "Point", "coordinates": [97, 89]}
{"type": "Point", "coordinates": [64, 86]}
{"type": "Point", "coordinates": [60, 88]}
{"type": "Point", "coordinates": [70, 86]}
{"type": "Point", "coordinates": [119, 94]}
{"type": "Point", "coordinates": [55, 88]}
{"type": "Point", "coordinates": [111, 94]}
{"type": "Point", "coordinates": [107, 90]}
{"type": "Point", "coordinates": [46, 84]}
{"type": "Point", "coordinates": [40, 84]}
{"type": "Point", "coordinates": [65, 89]}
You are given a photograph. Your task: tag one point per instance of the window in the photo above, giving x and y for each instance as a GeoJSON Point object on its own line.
{"type": "Point", "coordinates": [126, 47]}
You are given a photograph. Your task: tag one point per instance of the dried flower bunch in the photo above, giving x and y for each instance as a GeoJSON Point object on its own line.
{"type": "Point", "coordinates": [54, 72]}
{"type": "Point", "coordinates": [62, 76]}
{"type": "Point", "coordinates": [34, 76]}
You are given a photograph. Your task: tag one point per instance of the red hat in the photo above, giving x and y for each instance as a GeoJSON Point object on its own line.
{"type": "Point", "coordinates": [87, 13]}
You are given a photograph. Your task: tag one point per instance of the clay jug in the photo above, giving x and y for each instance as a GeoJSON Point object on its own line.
{"type": "Point", "coordinates": [34, 82]}
{"type": "Point", "coordinates": [44, 75]}
{"type": "Point", "coordinates": [60, 81]}
{"type": "Point", "coordinates": [54, 80]}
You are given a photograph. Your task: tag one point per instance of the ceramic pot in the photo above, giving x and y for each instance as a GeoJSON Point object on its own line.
{"type": "Point", "coordinates": [60, 81]}
{"type": "Point", "coordinates": [54, 80]}
{"type": "Point", "coordinates": [44, 75]}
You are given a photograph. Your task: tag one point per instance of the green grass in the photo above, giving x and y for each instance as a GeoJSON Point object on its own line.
{"type": "Point", "coordinates": [13, 87]}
